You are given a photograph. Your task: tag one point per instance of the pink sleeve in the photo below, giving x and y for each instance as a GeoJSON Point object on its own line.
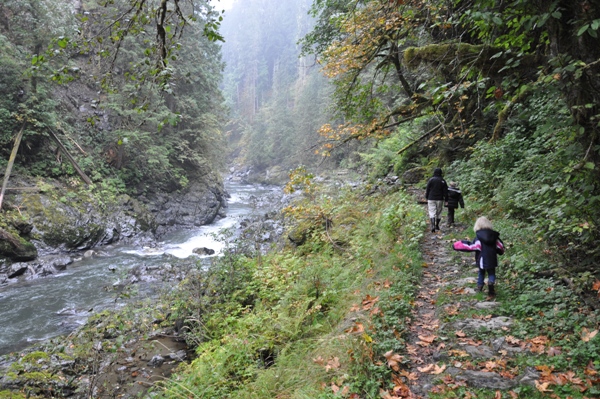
{"type": "Point", "coordinates": [499, 247]}
{"type": "Point", "coordinates": [462, 246]}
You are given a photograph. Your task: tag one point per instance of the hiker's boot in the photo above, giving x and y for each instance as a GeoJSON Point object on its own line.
{"type": "Point", "coordinates": [491, 291]}
{"type": "Point", "coordinates": [437, 223]}
{"type": "Point", "coordinates": [432, 221]}
{"type": "Point", "coordinates": [480, 288]}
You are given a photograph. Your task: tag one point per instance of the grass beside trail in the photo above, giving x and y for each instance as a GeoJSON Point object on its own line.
{"type": "Point", "coordinates": [314, 321]}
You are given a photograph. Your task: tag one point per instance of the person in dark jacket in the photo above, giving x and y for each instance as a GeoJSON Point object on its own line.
{"type": "Point", "coordinates": [487, 245]}
{"type": "Point", "coordinates": [454, 200]}
{"type": "Point", "coordinates": [436, 194]}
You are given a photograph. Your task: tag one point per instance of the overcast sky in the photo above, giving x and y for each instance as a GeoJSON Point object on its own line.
{"type": "Point", "coordinates": [222, 4]}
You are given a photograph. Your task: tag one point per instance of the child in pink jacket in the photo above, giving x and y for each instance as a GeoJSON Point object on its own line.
{"type": "Point", "coordinates": [487, 245]}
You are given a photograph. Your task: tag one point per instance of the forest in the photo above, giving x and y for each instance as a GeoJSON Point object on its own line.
{"type": "Point", "coordinates": [349, 106]}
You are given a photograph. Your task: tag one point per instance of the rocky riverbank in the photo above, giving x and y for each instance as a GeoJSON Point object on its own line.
{"type": "Point", "coordinates": [47, 225]}
{"type": "Point", "coordinates": [123, 353]}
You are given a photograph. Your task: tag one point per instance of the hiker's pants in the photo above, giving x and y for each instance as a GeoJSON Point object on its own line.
{"type": "Point", "coordinates": [435, 208]}
{"type": "Point", "coordinates": [491, 276]}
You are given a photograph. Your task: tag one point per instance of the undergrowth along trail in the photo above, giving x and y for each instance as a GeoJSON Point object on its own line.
{"type": "Point", "coordinates": [461, 344]}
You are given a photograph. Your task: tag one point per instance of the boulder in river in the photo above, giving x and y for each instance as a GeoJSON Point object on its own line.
{"type": "Point", "coordinates": [203, 251]}
{"type": "Point", "coordinates": [16, 248]}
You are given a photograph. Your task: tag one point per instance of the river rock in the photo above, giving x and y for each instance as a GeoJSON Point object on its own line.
{"type": "Point", "coordinates": [156, 361]}
{"type": "Point", "coordinates": [15, 247]}
{"type": "Point", "coordinates": [44, 266]}
{"type": "Point", "coordinates": [482, 379]}
{"type": "Point", "coordinates": [203, 251]}
{"type": "Point", "coordinates": [494, 323]}
{"type": "Point", "coordinates": [198, 205]}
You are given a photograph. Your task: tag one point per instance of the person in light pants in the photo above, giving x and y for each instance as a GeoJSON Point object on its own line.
{"type": "Point", "coordinates": [436, 194]}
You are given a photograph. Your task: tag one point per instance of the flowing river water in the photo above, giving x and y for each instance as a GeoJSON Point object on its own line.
{"type": "Point", "coordinates": [40, 309]}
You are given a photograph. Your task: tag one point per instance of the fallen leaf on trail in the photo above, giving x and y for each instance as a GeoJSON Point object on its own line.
{"type": "Point", "coordinates": [345, 390]}
{"type": "Point", "coordinates": [596, 285]}
{"type": "Point", "coordinates": [490, 365]}
{"type": "Point", "coordinates": [439, 369]}
{"type": "Point", "coordinates": [513, 394]}
{"type": "Point", "coordinates": [512, 340]}
{"type": "Point", "coordinates": [586, 335]}
{"type": "Point", "coordinates": [572, 378]}
{"type": "Point", "coordinates": [409, 376]}
{"type": "Point", "coordinates": [545, 370]}
{"type": "Point", "coordinates": [386, 395]}
{"type": "Point", "coordinates": [542, 387]}
{"type": "Point", "coordinates": [460, 334]}
{"type": "Point", "coordinates": [427, 338]}
{"type": "Point", "coordinates": [335, 388]}
{"type": "Point", "coordinates": [333, 364]}
{"type": "Point", "coordinates": [393, 360]}
{"type": "Point", "coordinates": [452, 310]}
{"type": "Point", "coordinates": [540, 340]}
{"type": "Point", "coordinates": [386, 284]}
{"type": "Point", "coordinates": [498, 395]}
{"type": "Point", "coordinates": [369, 301]}
{"type": "Point", "coordinates": [590, 370]}
{"type": "Point", "coordinates": [507, 374]}
{"type": "Point", "coordinates": [432, 369]}
{"type": "Point", "coordinates": [355, 308]}
{"type": "Point", "coordinates": [319, 360]}
{"type": "Point", "coordinates": [554, 351]}
{"type": "Point", "coordinates": [537, 348]}
{"type": "Point", "coordinates": [448, 380]}
{"type": "Point", "coordinates": [357, 328]}
{"type": "Point", "coordinates": [557, 379]}
{"type": "Point", "coordinates": [400, 389]}
{"type": "Point", "coordinates": [457, 353]}
{"type": "Point", "coordinates": [376, 311]}
{"type": "Point", "coordinates": [411, 349]}
{"type": "Point", "coordinates": [426, 369]}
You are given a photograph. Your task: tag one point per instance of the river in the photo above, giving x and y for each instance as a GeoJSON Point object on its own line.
{"type": "Point", "coordinates": [40, 309]}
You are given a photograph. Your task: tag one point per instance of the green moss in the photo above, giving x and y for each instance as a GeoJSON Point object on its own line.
{"type": "Point", "coordinates": [38, 377]}
{"type": "Point", "coordinates": [12, 395]}
{"type": "Point", "coordinates": [35, 357]}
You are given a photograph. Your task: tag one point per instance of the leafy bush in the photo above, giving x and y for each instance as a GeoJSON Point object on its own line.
{"type": "Point", "coordinates": [539, 172]}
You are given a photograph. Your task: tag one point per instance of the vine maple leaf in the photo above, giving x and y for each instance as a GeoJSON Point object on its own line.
{"type": "Point", "coordinates": [542, 387]}
{"type": "Point", "coordinates": [393, 360]}
{"type": "Point", "coordinates": [426, 340]}
{"type": "Point", "coordinates": [587, 335]}
{"type": "Point", "coordinates": [432, 369]}
{"type": "Point", "coordinates": [369, 302]}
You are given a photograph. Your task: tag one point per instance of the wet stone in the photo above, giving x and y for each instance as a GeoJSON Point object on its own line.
{"type": "Point", "coordinates": [466, 281]}
{"type": "Point", "coordinates": [483, 379]}
{"type": "Point", "coordinates": [477, 324]}
{"type": "Point", "coordinates": [529, 377]}
{"type": "Point", "coordinates": [487, 305]}
{"type": "Point", "coordinates": [479, 352]}
{"type": "Point", "coordinates": [156, 361]}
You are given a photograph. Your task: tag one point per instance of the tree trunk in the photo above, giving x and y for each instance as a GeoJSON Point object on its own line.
{"type": "Point", "coordinates": [11, 161]}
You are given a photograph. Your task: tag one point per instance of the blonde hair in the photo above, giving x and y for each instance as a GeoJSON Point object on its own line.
{"type": "Point", "coordinates": [482, 224]}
